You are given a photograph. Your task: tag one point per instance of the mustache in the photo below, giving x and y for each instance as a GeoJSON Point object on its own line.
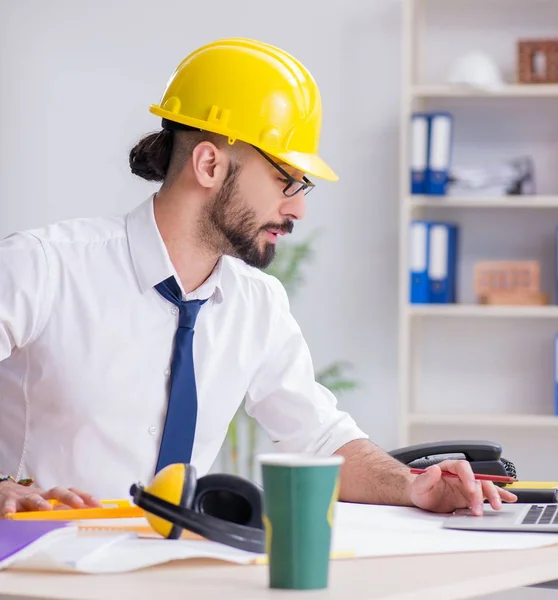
{"type": "Point", "coordinates": [286, 227]}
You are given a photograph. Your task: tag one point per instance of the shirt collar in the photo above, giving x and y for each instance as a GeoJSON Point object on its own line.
{"type": "Point", "coordinates": [151, 260]}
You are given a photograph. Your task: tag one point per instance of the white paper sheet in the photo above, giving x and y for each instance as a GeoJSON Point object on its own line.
{"type": "Point", "coordinates": [64, 534]}
{"type": "Point", "coordinates": [360, 530]}
{"type": "Point", "coordinates": [121, 553]}
{"type": "Point", "coordinates": [394, 530]}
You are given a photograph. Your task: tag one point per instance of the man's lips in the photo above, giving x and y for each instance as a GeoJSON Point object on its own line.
{"type": "Point", "coordinates": [272, 234]}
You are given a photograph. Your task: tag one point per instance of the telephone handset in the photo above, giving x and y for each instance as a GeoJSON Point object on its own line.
{"type": "Point", "coordinates": [484, 456]}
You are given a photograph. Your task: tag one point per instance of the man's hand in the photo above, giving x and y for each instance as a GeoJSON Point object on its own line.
{"type": "Point", "coordinates": [18, 498]}
{"type": "Point", "coordinates": [430, 491]}
{"type": "Point", "coordinates": [370, 475]}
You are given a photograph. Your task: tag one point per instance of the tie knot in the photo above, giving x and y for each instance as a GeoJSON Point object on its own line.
{"type": "Point", "coordinates": [189, 313]}
{"type": "Point", "coordinates": [189, 310]}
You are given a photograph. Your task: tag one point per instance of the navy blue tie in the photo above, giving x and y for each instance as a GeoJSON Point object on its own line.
{"type": "Point", "coordinates": [180, 423]}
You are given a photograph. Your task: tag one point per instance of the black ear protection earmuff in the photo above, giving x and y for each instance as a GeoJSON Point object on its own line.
{"type": "Point", "coordinates": [220, 507]}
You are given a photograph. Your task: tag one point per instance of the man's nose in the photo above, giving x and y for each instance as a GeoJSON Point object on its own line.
{"type": "Point", "coordinates": [294, 207]}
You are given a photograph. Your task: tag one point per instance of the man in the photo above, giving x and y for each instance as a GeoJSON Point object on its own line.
{"type": "Point", "coordinates": [103, 320]}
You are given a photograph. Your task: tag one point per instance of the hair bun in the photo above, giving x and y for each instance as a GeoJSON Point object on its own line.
{"type": "Point", "coordinates": [150, 157]}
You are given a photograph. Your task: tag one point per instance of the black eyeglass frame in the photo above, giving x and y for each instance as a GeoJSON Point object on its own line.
{"type": "Point", "coordinates": [305, 185]}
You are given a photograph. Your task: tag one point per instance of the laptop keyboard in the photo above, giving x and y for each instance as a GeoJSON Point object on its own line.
{"type": "Point", "coordinates": [545, 514]}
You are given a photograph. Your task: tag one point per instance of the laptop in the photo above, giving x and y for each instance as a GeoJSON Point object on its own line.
{"type": "Point", "coordinates": [541, 518]}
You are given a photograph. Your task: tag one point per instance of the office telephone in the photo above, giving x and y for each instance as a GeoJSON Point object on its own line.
{"type": "Point", "coordinates": [485, 456]}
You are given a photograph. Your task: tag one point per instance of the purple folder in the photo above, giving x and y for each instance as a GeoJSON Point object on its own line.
{"type": "Point", "coordinates": [16, 535]}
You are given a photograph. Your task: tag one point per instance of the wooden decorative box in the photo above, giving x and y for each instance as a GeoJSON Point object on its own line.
{"type": "Point", "coordinates": [509, 282]}
{"type": "Point", "coordinates": [537, 61]}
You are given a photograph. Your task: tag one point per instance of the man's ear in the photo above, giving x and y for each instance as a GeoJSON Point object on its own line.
{"type": "Point", "coordinates": [209, 164]}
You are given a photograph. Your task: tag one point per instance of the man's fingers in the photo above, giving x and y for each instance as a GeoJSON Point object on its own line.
{"type": "Point", "coordinates": [490, 492]}
{"type": "Point", "coordinates": [462, 469]}
{"type": "Point", "coordinates": [88, 499]}
{"type": "Point", "coordinates": [477, 499]}
{"type": "Point", "coordinates": [9, 507]}
{"type": "Point", "coordinates": [20, 499]}
{"type": "Point", "coordinates": [32, 502]}
{"type": "Point", "coordinates": [427, 480]}
{"type": "Point", "coordinates": [472, 488]}
{"type": "Point", "coordinates": [64, 496]}
{"type": "Point", "coordinates": [71, 498]}
{"type": "Point", "coordinates": [506, 495]}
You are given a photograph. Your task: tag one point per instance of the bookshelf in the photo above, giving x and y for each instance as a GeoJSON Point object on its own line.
{"type": "Point", "coordinates": [512, 399]}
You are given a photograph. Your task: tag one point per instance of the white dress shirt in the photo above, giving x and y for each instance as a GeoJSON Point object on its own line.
{"type": "Point", "coordinates": [86, 346]}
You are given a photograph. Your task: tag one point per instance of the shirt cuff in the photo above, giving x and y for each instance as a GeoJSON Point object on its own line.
{"type": "Point", "coordinates": [339, 432]}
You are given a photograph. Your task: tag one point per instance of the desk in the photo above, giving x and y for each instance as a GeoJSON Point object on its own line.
{"type": "Point", "coordinates": [420, 577]}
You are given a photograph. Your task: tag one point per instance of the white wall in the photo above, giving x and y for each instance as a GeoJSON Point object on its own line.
{"type": "Point", "coordinates": [77, 79]}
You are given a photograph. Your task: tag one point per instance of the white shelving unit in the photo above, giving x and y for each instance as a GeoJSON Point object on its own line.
{"type": "Point", "coordinates": [508, 91]}
{"type": "Point", "coordinates": [416, 201]}
{"type": "Point", "coordinates": [477, 311]}
{"type": "Point", "coordinates": [415, 319]}
{"type": "Point", "coordinates": [521, 421]}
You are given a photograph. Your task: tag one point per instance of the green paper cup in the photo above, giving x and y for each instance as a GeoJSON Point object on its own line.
{"type": "Point", "coordinates": [300, 493]}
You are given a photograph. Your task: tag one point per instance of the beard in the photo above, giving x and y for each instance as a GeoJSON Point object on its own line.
{"type": "Point", "coordinates": [230, 227]}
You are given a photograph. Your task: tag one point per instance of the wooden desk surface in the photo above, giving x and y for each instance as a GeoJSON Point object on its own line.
{"type": "Point", "coordinates": [436, 577]}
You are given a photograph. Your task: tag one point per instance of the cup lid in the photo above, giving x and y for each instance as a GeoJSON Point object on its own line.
{"type": "Point", "coordinates": [299, 460]}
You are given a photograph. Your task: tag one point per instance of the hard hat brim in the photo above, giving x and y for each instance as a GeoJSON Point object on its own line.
{"type": "Point", "coordinates": [310, 164]}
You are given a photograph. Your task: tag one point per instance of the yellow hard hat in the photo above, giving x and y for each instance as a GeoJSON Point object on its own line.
{"type": "Point", "coordinates": [254, 92]}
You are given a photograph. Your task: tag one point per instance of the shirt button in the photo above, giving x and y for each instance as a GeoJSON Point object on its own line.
{"type": "Point", "coordinates": [167, 372]}
{"type": "Point", "coordinates": [152, 430]}
{"type": "Point", "coordinates": [174, 310]}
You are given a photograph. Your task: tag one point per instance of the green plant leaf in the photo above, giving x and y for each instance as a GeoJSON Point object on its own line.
{"type": "Point", "coordinates": [232, 437]}
{"type": "Point", "coordinates": [341, 385]}
{"type": "Point", "coordinates": [289, 261]}
{"type": "Point", "coordinates": [332, 377]}
{"type": "Point", "coordinates": [252, 445]}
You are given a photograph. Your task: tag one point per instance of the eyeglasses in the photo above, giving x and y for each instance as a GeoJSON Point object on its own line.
{"type": "Point", "coordinates": [294, 186]}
